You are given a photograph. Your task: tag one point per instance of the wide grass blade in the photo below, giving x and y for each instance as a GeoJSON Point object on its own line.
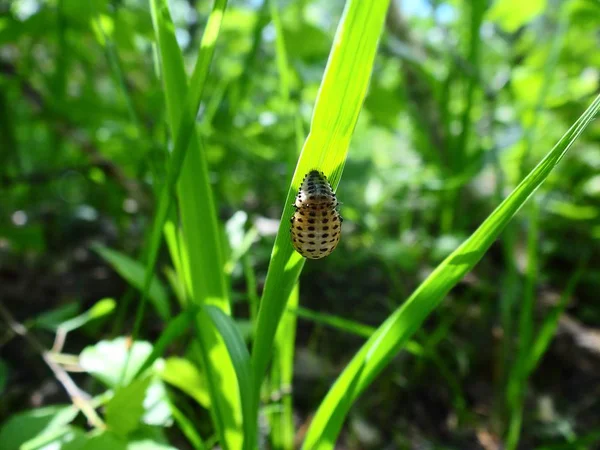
{"type": "Point", "coordinates": [340, 98]}
{"type": "Point", "coordinates": [393, 334]}
{"type": "Point", "coordinates": [201, 238]}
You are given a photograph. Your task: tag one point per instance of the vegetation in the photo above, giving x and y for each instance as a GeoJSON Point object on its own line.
{"type": "Point", "coordinates": [150, 296]}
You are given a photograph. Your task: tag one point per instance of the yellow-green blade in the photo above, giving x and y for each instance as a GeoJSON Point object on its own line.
{"type": "Point", "coordinates": [339, 102]}
{"type": "Point", "coordinates": [204, 263]}
{"type": "Point", "coordinates": [393, 334]}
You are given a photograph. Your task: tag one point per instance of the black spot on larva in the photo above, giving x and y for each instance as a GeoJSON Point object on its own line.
{"type": "Point", "coordinates": [324, 249]}
{"type": "Point", "coordinates": [323, 242]}
{"type": "Point", "coordinates": [334, 235]}
{"type": "Point", "coordinates": [300, 235]}
{"type": "Point", "coordinates": [333, 240]}
{"type": "Point", "coordinates": [326, 235]}
{"type": "Point", "coordinates": [325, 221]}
{"type": "Point", "coordinates": [325, 228]}
{"type": "Point", "coordinates": [311, 197]}
{"type": "Point", "coordinates": [301, 241]}
{"type": "Point", "coordinates": [311, 228]}
{"type": "Point", "coordinates": [299, 228]}
{"type": "Point", "coordinates": [313, 207]}
{"type": "Point", "coordinates": [299, 219]}
{"type": "Point", "coordinates": [311, 235]}
{"type": "Point", "coordinates": [335, 227]}
{"type": "Point", "coordinates": [310, 250]}
{"type": "Point", "coordinates": [311, 220]}
{"type": "Point", "coordinates": [312, 243]}
{"type": "Point", "coordinates": [334, 218]}
{"type": "Point", "coordinates": [312, 213]}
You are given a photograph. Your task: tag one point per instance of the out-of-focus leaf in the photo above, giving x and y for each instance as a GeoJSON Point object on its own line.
{"type": "Point", "coordinates": [51, 320]}
{"type": "Point", "coordinates": [106, 360]}
{"type": "Point", "coordinates": [513, 14]}
{"type": "Point", "coordinates": [125, 409]}
{"type": "Point", "coordinates": [134, 272]}
{"type": "Point", "coordinates": [24, 426]}
{"type": "Point", "coordinates": [184, 375]}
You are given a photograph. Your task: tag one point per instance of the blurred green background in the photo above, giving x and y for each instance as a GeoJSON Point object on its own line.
{"type": "Point", "coordinates": [465, 99]}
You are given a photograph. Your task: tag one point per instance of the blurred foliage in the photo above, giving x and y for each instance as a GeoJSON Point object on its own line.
{"type": "Point", "coordinates": [465, 99]}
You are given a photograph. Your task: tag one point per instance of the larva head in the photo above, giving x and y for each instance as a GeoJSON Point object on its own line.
{"type": "Point", "coordinates": [316, 224]}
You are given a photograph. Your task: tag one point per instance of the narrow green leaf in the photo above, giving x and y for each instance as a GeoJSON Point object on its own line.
{"type": "Point", "coordinates": [175, 328]}
{"type": "Point", "coordinates": [348, 326]}
{"type": "Point", "coordinates": [338, 105]}
{"type": "Point", "coordinates": [393, 334]}
{"type": "Point", "coordinates": [241, 362]}
{"type": "Point", "coordinates": [134, 273]}
{"type": "Point", "coordinates": [101, 308]}
{"type": "Point", "coordinates": [282, 371]}
{"type": "Point", "coordinates": [201, 245]}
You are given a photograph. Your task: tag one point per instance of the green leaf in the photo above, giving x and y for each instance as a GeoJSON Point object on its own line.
{"type": "Point", "coordinates": [513, 14]}
{"type": "Point", "coordinates": [338, 105]}
{"type": "Point", "coordinates": [22, 427]}
{"type": "Point", "coordinates": [201, 237]}
{"type": "Point", "coordinates": [394, 333]}
{"type": "Point", "coordinates": [184, 375]}
{"type": "Point", "coordinates": [100, 309]}
{"type": "Point", "coordinates": [133, 272]}
{"type": "Point", "coordinates": [106, 359]}
{"type": "Point", "coordinates": [102, 440]}
{"type": "Point", "coordinates": [125, 409]}
{"type": "Point", "coordinates": [241, 362]}
{"type": "Point", "coordinates": [175, 328]}
{"type": "Point", "coordinates": [51, 320]}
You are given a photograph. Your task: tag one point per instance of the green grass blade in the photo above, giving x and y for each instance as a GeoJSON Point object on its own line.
{"type": "Point", "coordinates": [200, 231]}
{"type": "Point", "coordinates": [175, 328]}
{"type": "Point", "coordinates": [550, 324]}
{"type": "Point", "coordinates": [396, 330]}
{"type": "Point", "coordinates": [340, 99]}
{"type": "Point", "coordinates": [241, 362]}
{"type": "Point", "coordinates": [282, 371]}
{"type": "Point", "coordinates": [133, 271]}
{"type": "Point", "coordinates": [345, 325]}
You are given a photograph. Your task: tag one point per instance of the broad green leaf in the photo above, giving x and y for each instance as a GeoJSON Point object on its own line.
{"type": "Point", "coordinates": [394, 333]}
{"type": "Point", "coordinates": [184, 375]}
{"type": "Point", "coordinates": [97, 441]}
{"type": "Point", "coordinates": [22, 427]}
{"type": "Point", "coordinates": [125, 409]}
{"type": "Point", "coordinates": [134, 273]}
{"type": "Point", "coordinates": [106, 360]}
{"type": "Point", "coordinates": [338, 105]}
{"type": "Point", "coordinates": [57, 438]}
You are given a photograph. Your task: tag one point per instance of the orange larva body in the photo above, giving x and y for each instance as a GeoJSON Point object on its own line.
{"type": "Point", "coordinates": [316, 224]}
